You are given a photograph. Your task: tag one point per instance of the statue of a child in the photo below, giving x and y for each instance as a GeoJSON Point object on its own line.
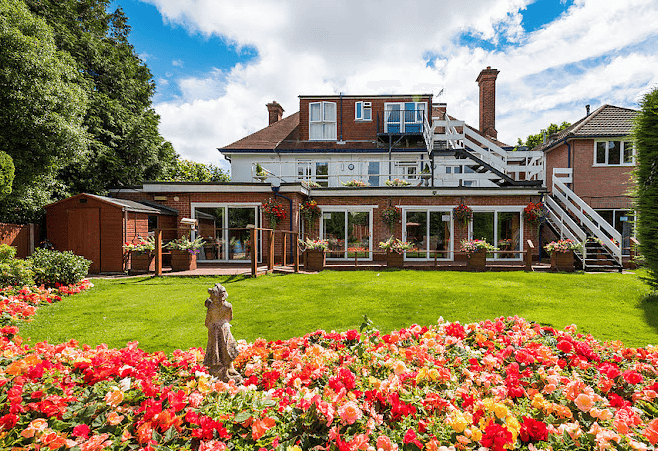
{"type": "Point", "coordinates": [222, 348]}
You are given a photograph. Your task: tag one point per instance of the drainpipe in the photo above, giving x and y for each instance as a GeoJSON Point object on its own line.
{"type": "Point", "coordinates": [341, 119]}
{"type": "Point", "coordinates": [570, 185]}
{"type": "Point", "coordinates": [275, 190]}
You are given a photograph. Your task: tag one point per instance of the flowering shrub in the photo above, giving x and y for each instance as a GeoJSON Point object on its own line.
{"type": "Point", "coordinates": [54, 268]}
{"type": "Point", "coordinates": [184, 244]}
{"type": "Point", "coordinates": [310, 210]}
{"type": "Point", "coordinates": [141, 245]}
{"type": "Point", "coordinates": [534, 212]}
{"type": "Point", "coordinates": [462, 213]}
{"type": "Point", "coordinates": [395, 245]}
{"type": "Point", "coordinates": [354, 183]}
{"type": "Point", "coordinates": [562, 246]}
{"type": "Point", "coordinates": [391, 215]}
{"type": "Point", "coordinates": [274, 211]}
{"type": "Point", "coordinates": [14, 271]}
{"type": "Point", "coordinates": [314, 245]}
{"type": "Point", "coordinates": [501, 384]}
{"type": "Point", "coordinates": [397, 182]}
{"type": "Point", "coordinates": [470, 246]}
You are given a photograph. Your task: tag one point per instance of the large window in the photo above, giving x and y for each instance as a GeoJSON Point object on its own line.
{"type": "Point", "coordinates": [500, 228]}
{"type": "Point", "coordinates": [429, 232]}
{"type": "Point", "coordinates": [225, 229]}
{"type": "Point", "coordinates": [322, 121]}
{"type": "Point", "coordinates": [405, 117]}
{"type": "Point", "coordinates": [348, 233]}
{"type": "Point", "coordinates": [373, 173]}
{"type": "Point", "coordinates": [614, 153]}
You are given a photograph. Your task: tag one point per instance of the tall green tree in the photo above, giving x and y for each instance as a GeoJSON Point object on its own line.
{"type": "Point", "coordinates": [6, 174]}
{"type": "Point", "coordinates": [533, 141]}
{"type": "Point", "coordinates": [126, 147]}
{"type": "Point", "coordinates": [645, 133]}
{"type": "Point", "coordinates": [191, 171]}
{"type": "Point", "coordinates": [43, 101]}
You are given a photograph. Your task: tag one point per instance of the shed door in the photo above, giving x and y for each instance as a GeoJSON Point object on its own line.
{"type": "Point", "coordinates": [84, 235]}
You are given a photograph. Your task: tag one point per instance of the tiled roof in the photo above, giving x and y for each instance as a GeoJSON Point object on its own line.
{"type": "Point", "coordinates": [269, 137]}
{"type": "Point", "coordinates": [607, 120]}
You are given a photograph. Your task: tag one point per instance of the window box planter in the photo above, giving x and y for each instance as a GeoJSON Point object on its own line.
{"type": "Point", "coordinates": [562, 261]}
{"type": "Point", "coordinates": [182, 260]}
{"type": "Point", "coordinates": [394, 260]}
{"type": "Point", "coordinates": [315, 260]}
{"type": "Point", "coordinates": [141, 262]}
{"type": "Point", "coordinates": [477, 261]}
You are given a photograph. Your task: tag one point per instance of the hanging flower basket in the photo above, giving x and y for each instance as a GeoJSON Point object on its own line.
{"type": "Point", "coordinates": [310, 211]}
{"type": "Point", "coordinates": [534, 213]}
{"type": "Point", "coordinates": [274, 211]}
{"type": "Point", "coordinates": [462, 213]}
{"type": "Point", "coordinates": [391, 215]}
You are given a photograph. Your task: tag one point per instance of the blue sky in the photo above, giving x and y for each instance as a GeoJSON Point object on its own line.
{"type": "Point", "coordinates": [216, 64]}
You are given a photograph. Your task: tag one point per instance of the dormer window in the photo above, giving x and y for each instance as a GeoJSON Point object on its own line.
{"type": "Point", "coordinates": [363, 111]}
{"type": "Point", "coordinates": [322, 121]}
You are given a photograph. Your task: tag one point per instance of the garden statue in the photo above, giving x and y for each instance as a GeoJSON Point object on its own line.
{"type": "Point", "coordinates": [222, 348]}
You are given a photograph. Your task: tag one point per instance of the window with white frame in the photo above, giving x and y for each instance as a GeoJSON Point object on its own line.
{"type": "Point", "coordinates": [310, 171]}
{"type": "Point", "coordinates": [363, 111]}
{"type": "Point", "coordinates": [614, 153]}
{"type": "Point", "coordinates": [322, 121]}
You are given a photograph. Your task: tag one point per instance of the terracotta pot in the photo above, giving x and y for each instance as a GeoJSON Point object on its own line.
{"type": "Point", "coordinates": [142, 262]}
{"type": "Point", "coordinates": [315, 260]}
{"type": "Point", "coordinates": [394, 260]}
{"type": "Point", "coordinates": [562, 261]}
{"type": "Point", "coordinates": [182, 260]}
{"type": "Point", "coordinates": [477, 261]}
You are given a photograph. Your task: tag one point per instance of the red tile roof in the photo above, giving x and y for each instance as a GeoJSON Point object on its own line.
{"type": "Point", "coordinates": [269, 137]}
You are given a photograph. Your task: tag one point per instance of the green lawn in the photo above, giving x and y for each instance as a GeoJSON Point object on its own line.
{"type": "Point", "coordinates": [168, 313]}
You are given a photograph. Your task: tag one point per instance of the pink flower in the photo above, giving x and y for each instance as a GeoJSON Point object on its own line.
{"type": "Point", "coordinates": [584, 402]}
{"type": "Point", "coordinates": [350, 412]}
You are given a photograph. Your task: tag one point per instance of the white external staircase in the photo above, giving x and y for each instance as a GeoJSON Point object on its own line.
{"type": "Point", "coordinates": [572, 218]}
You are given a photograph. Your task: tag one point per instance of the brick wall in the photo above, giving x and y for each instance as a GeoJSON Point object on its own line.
{"type": "Point", "coordinates": [599, 186]}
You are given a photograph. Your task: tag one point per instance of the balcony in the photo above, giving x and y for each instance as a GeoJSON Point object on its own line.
{"type": "Point", "coordinates": [398, 121]}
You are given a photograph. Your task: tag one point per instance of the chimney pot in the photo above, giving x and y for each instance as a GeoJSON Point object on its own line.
{"type": "Point", "coordinates": [487, 83]}
{"type": "Point", "coordinates": [275, 111]}
{"type": "Point", "coordinates": [587, 109]}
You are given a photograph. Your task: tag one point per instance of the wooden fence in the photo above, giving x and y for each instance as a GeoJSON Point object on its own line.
{"type": "Point", "coordinates": [22, 237]}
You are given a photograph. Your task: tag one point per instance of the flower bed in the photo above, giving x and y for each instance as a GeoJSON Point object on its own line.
{"type": "Point", "coordinates": [501, 384]}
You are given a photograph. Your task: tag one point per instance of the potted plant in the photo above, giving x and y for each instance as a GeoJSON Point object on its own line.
{"type": "Point", "coordinates": [315, 253]}
{"type": "Point", "coordinates": [397, 182]}
{"type": "Point", "coordinates": [425, 174]}
{"type": "Point", "coordinates": [395, 250]}
{"type": "Point", "coordinates": [354, 183]}
{"type": "Point", "coordinates": [260, 173]}
{"type": "Point", "coordinates": [562, 254]}
{"type": "Point", "coordinates": [141, 254]}
{"type": "Point", "coordinates": [534, 213]}
{"type": "Point", "coordinates": [476, 250]}
{"type": "Point", "coordinates": [184, 253]}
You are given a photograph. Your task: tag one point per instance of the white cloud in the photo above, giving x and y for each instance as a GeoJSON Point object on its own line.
{"type": "Point", "coordinates": [600, 51]}
{"type": "Point", "coordinates": [177, 63]}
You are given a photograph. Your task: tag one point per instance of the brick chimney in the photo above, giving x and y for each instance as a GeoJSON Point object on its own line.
{"type": "Point", "coordinates": [275, 110]}
{"type": "Point", "coordinates": [487, 83]}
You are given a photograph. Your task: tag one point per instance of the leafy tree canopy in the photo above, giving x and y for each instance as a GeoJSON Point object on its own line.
{"type": "Point", "coordinates": [126, 147]}
{"type": "Point", "coordinates": [191, 171]}
{"type": "Point", "coordinates": [43, 98]}
{"type": "Point", "coordinates": [645, 133]}
{"type": "Point", "coordinates": [6, 174]}
{"type": "Point", "coordinates": [533, 141]}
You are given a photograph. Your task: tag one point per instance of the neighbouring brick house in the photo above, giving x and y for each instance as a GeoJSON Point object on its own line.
{"type": "Point", "coordinates": [407, 151]}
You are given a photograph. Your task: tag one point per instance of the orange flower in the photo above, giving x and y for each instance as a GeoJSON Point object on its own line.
{"type": "Point", "coordinates": [651, 432]}
{"type": "Point", "coordinates": [114, 398]}
{"type": "Point", "coordinates": [114, 418]}
{"type": "Point", "coordinates": [260, 427]}
{"type": "Point", "coordinates": [584, 402]}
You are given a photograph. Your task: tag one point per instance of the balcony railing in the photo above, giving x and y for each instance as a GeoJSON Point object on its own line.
{"type": "Point", "coordinates": [410, 121]}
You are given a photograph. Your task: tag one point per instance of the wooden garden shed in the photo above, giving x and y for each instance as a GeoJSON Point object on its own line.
{"type": "Point", "coordinates": [97, 226]}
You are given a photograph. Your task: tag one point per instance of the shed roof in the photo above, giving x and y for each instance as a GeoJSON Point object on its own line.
{"type": "Point", "coordinates": [124, 204]}
{"type": "Point", "coordinates": [605, 121]}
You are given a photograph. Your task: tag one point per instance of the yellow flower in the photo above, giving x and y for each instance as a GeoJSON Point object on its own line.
{"type": "Point", "coordinates": [293, 448]}
{"type": "Point", "coordinates": [513, 426]}
{"type": "Point", "coordinates": [434, 374]}
{"type": "Point", "coordinates": [500, 410]}
{"type": "Point", "coordinates": [458, 422]}
{"type": "Point", "coordinates": [476, 434]}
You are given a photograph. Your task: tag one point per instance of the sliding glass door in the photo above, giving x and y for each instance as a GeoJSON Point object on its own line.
{"type": "Point", "coordinates": [348, 233]}
{"type": "Point", "coordinates": [429, 232]}
{"type": "Point", "coordinates": [226, 231]}
{"type": "Point", "coordinates": [503, 229]}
